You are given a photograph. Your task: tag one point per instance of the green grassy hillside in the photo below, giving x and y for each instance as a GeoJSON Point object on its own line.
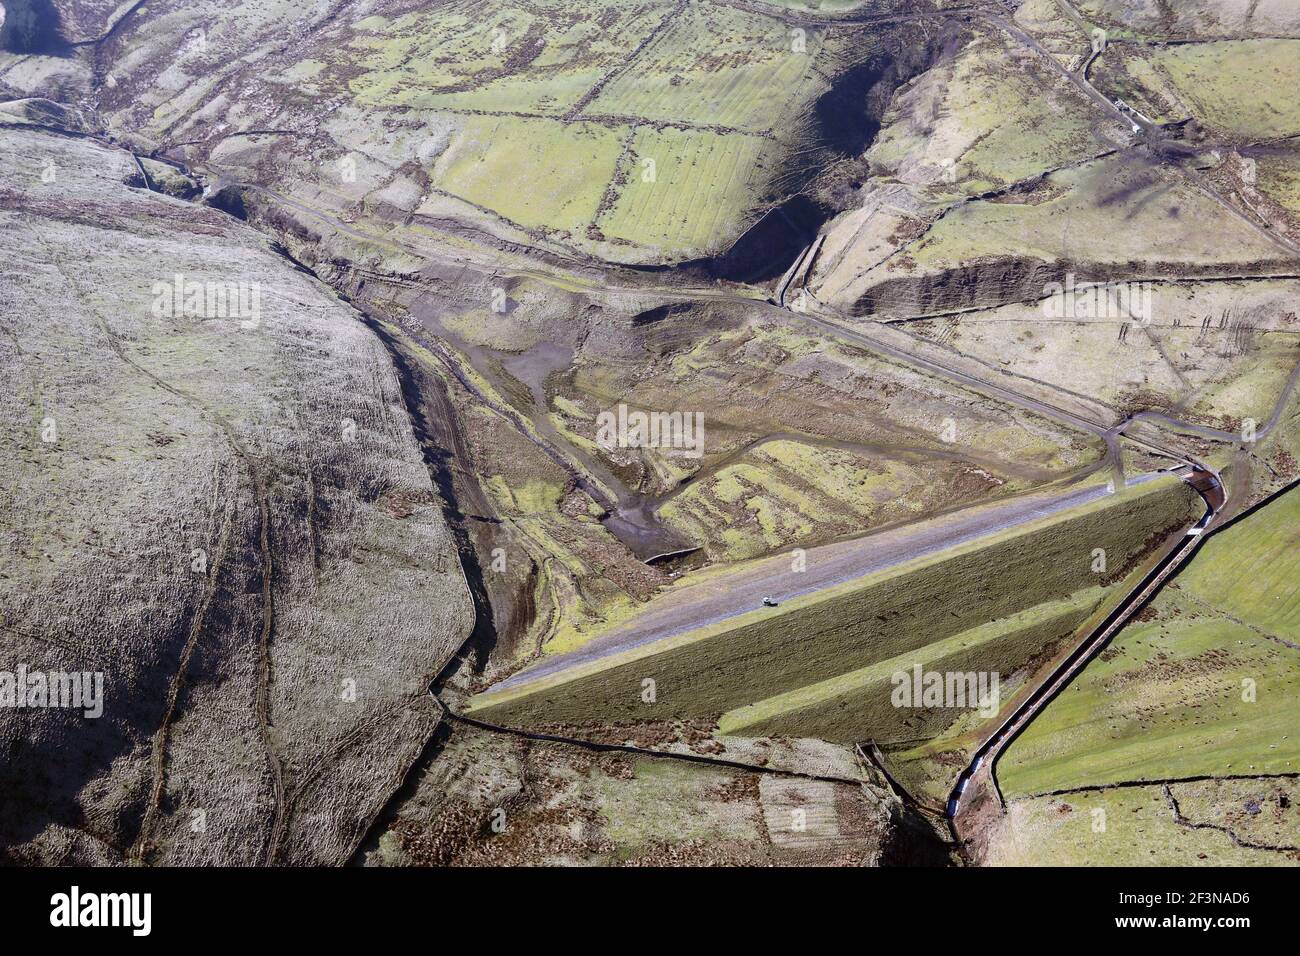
{"type": "Point", "coordinates": [715, 669]}
{"type": "Point", "coordinates": [1205, 682]}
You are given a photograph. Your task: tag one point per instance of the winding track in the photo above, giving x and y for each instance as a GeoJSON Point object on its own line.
{"type": "Point", "coordinates": [1149, 131]}
{"type": "Point", "coordinates": [828, 321]}
{"type": "Point", "coordinates": [979, 778]}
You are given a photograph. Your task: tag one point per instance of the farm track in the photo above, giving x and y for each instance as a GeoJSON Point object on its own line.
{"type": "Point", "coordinates": [856, 17]}
{"type": "Point", "coordinates": [66, 642]}
{"type": "Point", "coordinates": [140, 849]}
{"type": "Point", "coordinates": [1218, 434]}
{"type": "Point", "coordinates": [981, 773]}
{"type": "Point", "coordinates": [1149, 131]}
{"type": "Point", "coordinates": [818, 316]}
{"type": "Point", "coordinates": [264, 665]}
{"type": "Point", "coordinates": [943, 370]}
{"type": "Point", "coordinates": [979, 778]}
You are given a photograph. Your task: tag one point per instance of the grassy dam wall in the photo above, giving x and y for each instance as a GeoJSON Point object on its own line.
{"type": "Point", "coordinates": [999, 599]}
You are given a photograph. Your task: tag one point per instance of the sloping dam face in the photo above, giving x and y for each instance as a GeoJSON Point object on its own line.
{"type": "Point", "coordinates": [771, 651]}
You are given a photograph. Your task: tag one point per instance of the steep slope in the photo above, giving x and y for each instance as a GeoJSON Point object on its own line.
{"type": "Point", "coordinates": [214, 500]}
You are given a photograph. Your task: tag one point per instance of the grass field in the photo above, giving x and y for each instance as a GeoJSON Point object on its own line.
{"type": "Point", "coordinates": [577, 101]}
{"type": "Point", "coordinates": [569, 165]}
{"type": "Point", "coordinates": [1278, 175]}
{"type": "Point", "coordinates": [1137, 827]}
{"type": "Point", "coordinates": [720, 68]}
{"type": "Point", "coordinates": [788, 492]}
{"type": "Point", "coordinates": [1233, 370]}
{"type": "Point", "coordinates": [1159, 223]}
{"type": "Point", "coordinates": [991, 114]}
{"type": "Point", "coordinates": [1239, 88]}
{"type": "Point", "coordinates": [1235, 88]}
{"type": "Point", "coordinates": [1104, 217]}
{"type": "Point", "coordinates": [1251, 572]}
{"type": "Point", "coordinates": [1206, 682]}
{"type": "Point", "coordinates": [685, 192]}
{"type": "Point", "coordinates": [473, 56]}
{"type": "Point", "coordinates": [482, 96]}
{"type": "Point", "coordinates": [1153, 18]}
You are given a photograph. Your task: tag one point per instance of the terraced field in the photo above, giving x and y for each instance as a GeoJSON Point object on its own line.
{"type": "Point", "coordinates": [858, 705]}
